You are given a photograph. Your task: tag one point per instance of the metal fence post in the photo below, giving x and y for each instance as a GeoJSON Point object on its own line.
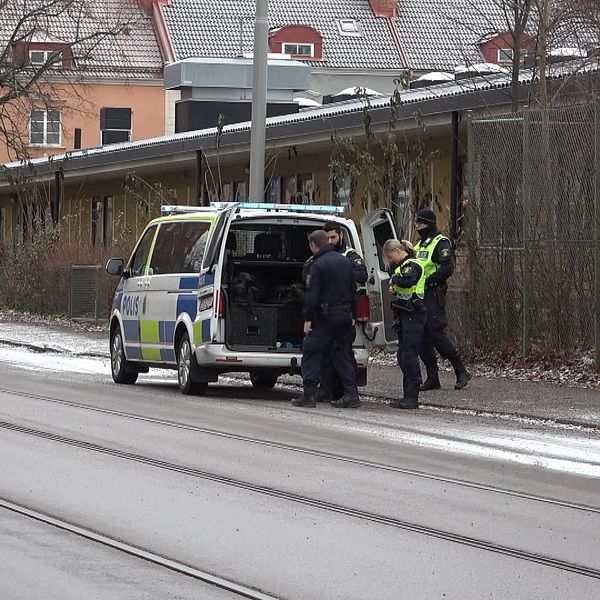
{"type": "Point", "coordinates": [597, 236]}
{"type": "Point", "coordinates": [527, 262]}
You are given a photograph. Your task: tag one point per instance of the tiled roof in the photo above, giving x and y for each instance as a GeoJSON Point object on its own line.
{"type": "Point", "coordinates": [441, 34]}
{"type": "Point", "coordinates": [128, 46]}
{"type": "Point", "coordinates": [209, 28]}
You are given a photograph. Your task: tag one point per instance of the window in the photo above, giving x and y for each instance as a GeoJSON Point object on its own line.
{"type": "Point", "coordinates": [299, 189]}
{"type": "Point", "coordinates": [179, 247]}
{"type": "Point", "coordinates": [39, 58]}
{"type": "Point", "coordinates": [299, 49]}
{"type": "Point", "coordinates": [44, 127]}
{"type": "Point", "coordinates": [2, 224]}
{"type": "Point", "coordinates": [342, 190]}
{"type": "Point", "coordinates": [138, 261]}
{"type": "Point", "coordinates": [349, 27]}
{"type": "Point", "coordinates": [505, 55]}
{"type": "Point", "coordinates": [102, 220]}
{"type": "Point", "coordinates": [115, 125]}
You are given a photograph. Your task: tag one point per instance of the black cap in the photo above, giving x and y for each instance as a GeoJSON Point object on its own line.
{"type": "Point", "coordinates": [427, 216]}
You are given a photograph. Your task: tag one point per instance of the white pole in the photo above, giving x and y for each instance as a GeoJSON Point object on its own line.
{"type": "Point", "coordinates": [259, 102]}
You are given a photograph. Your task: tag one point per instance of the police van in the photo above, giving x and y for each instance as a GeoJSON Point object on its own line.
{"type": "Point", "coordinates": [211, 290]}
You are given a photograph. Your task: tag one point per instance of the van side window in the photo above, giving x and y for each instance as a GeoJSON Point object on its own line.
{"type": "Point", "coordinates": [179, 247]}
{"type": "Point", "coordinates": [382, 233]}
{"type": "Point", "coordinates": [140, 256]}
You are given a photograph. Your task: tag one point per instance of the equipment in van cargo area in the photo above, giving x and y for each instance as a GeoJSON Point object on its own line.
{"type": "Point", "coordinates": [264, 271]}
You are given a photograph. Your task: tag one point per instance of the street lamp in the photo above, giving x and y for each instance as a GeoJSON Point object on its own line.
{"type": "Point", "coordinates": [259, 101]}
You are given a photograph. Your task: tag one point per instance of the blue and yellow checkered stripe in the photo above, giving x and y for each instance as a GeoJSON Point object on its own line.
{"type": "Point", "coordinates": [153, 340]}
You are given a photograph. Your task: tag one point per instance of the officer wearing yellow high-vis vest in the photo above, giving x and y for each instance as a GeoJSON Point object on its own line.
{"type": "Point", "coordinates": [407, 283]}
{"type": "Point", "coordinates": [434, 251]}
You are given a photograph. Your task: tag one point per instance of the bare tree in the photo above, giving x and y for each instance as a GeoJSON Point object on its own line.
{"type": "Point", "coordinates": [47, 47]}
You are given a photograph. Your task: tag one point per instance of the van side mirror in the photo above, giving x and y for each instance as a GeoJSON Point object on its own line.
{"type": "Point", "coordinates": [114, 266]}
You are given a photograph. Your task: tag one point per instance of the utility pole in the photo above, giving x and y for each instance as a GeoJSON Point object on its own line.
{"type": "Point", "coordinates": [259, 102]}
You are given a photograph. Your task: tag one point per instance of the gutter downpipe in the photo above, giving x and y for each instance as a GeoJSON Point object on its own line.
{"type": "Point", "coordinates": [454, 209]}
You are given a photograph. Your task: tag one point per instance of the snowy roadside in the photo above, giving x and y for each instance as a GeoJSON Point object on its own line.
{"type": "Point", "coordinates": [87, 338]}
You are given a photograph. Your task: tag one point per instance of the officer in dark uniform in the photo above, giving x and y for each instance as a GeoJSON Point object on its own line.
{"type": "Point", "coordinates": [331, 385]}
{"type": "Point", "coordinates": [435, 252]}
{"type": "Point", "coordinates": [407, 283]}
{"type": "Point", "coordinates": [328, 322]}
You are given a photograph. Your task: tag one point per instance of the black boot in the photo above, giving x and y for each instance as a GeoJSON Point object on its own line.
{"type": "Point", "coordinates": [431, 383]}
{"type": "Point", "coordinates": [462, 375]}
{"type": "Point", "coordinates": [347, 401]}
{"type": "Point", "coordinates": [308, 399]}
{"type": "Point", "coordinates": [462, 379]}
{"type": "Point", "coordinates": [324, 395]}
{"type": "Point", "coordinates": [408, 403]}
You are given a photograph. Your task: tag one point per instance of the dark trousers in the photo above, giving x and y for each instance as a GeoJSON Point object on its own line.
{"type": "Point", "coordinates": [334, 336]}
{"type": "Point", "coordinates": [331, 381]}
{"type": "Point", "coordinates": [435, 338]}
{"type": "Point", "coordinates": [410, 334]}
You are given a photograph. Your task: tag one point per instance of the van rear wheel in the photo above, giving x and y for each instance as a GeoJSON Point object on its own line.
{"type": "Point", "coordinates": [187, 368]}
{"type": "Point", "coordinates": [263, 380]}
{"type": "Point", "coordinates": [121, 369]}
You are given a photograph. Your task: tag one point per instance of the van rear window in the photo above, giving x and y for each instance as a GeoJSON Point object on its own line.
{"type": "Point", "coordinates": [271, 241]}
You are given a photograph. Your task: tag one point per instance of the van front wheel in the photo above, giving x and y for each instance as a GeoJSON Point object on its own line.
{"type": "Point", "coordinates": [262, 379]}
{"type": "Point", "coordinates": [121, 369]}
{"type": "Point", "coordinates": [186, 369]}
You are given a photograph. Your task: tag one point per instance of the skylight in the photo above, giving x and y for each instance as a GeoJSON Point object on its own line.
{"type": "Point", "coordinates": [349, 27]}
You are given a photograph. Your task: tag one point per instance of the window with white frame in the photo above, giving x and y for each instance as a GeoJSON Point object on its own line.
{"type": "Point", "coordinates": [299, 49]}
{"type": "Point", "coordinates": [38, 58]}
{"type": "Point", "coordinates": [44, 127]}
{"type": "Point", "coordinates": [505, 55]}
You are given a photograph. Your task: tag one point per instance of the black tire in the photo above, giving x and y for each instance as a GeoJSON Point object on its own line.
{"type": "Point", "coordinates": [122, 370]}
{"type": "Point", "coordinates": [187, 368]}
{"type": "Point", "coordinates": [262, 380]}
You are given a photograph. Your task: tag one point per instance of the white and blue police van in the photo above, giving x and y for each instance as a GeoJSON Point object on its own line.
{"type": "Point", "coordinates": [218, 289]}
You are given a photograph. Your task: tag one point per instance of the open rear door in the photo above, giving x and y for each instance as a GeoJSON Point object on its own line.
{"type": "Point", "coordinates": [211, 275]}
{"type": "Point", "coordinates": [378, 227]}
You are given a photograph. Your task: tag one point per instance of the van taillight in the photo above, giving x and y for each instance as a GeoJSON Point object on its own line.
{"type": "Point", "coordinates": [219, 304]}
{"type": "Point", "coordinates": [363, 310]}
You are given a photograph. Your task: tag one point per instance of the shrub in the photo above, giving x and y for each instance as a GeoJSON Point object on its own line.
{"type": "Point", "coordinates": [35, 276]}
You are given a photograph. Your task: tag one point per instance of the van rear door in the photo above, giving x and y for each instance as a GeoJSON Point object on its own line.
{"type": "Point", "coordinates": [378, 227]}
{"type": "Point", "coordinates": [209, 311]}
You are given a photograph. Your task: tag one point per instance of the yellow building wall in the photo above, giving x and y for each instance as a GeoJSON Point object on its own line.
{"type": "Point", "coordinates": [132, 208]}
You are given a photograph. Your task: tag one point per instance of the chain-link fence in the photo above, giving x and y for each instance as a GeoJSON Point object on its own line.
{"type": "Point", "coordinates": [533, 230]}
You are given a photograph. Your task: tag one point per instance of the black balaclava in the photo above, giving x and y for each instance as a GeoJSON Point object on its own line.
{"type": "Point", "coordinates": [426, 216]}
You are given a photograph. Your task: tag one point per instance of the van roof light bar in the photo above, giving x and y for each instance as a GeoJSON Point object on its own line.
{"type": "Point", "coordinates": [173, 209]}
{"type": "Point", "coordinates": [312, 208]}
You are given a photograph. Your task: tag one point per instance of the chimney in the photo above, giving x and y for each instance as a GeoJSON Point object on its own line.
{"type": "Point", "coordinates": [385, 8]}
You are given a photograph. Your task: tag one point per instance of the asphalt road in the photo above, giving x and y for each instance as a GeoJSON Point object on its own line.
{"type": "Point", "coordinates": [297, 503]}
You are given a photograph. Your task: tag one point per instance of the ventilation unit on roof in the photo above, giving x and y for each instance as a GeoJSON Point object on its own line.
{"type": "Point", "coordinates": [479, 70]}
{"type": "Point", "coordinates": [429, 79]}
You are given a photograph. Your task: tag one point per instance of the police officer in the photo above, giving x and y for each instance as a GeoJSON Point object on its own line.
{"type": "Point", "coordinates": [328, 322]}
{"type": "Point", "coordinates": [435, 252]}
{"type": "Point", "coordinates": [408, 284]}
{"type": "Point", "coordinates": [331, 386]}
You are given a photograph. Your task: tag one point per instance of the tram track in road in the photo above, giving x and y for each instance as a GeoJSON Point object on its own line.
{"type": "Point", "coordinates": [316, 453]}
{"type": "Point", "coordinates": [363, 515]}
{"type": "Point", "coordinates": [210, 578]}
